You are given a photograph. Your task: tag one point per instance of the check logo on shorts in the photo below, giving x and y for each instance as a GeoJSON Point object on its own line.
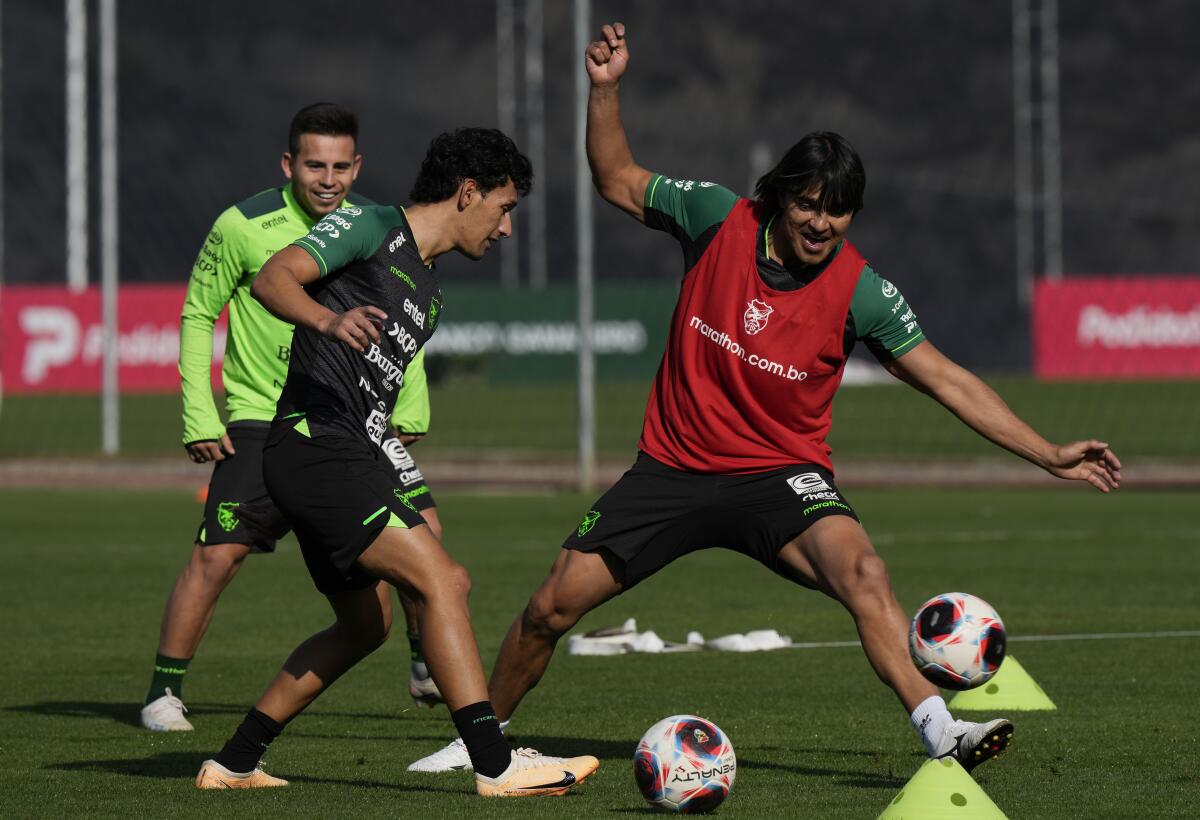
{"type": "Point", "coordinates": [806, 483]}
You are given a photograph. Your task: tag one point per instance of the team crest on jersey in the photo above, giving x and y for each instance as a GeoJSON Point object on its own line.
{"type": "Point", "coordinates": [756, 315]}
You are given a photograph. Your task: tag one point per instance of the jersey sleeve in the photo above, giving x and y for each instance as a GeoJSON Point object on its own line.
{"type": "Point", "coordinates": [883, 319]}
{"type": "Point", "coordinates": [411, 413]}
{"type": "Point", "coordinates": [690, 211]}
{"type": "Point", "coordinates": [348, 234]}
{"type": "Point", "coordinates": [215, 274]}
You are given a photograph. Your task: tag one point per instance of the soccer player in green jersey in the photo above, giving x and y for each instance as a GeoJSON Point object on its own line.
{"type": "Point", "coordinates": [321, 164]}
{"type": "Point", "coordinates": [733, 450]}
{"type": "Point", "coordinates": [361, 290]}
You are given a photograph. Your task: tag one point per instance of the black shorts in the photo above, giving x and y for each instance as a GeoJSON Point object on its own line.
{"type": "Point", "coordinates": [235, 489]}
{"type": "Point", "coordinates": [655, 514]}
{"type": "Point", "coordinates": [239, 510]}
{"type": "Point", "coordinates": [338, 494]}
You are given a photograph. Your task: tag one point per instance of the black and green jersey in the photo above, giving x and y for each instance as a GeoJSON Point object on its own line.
{"type": "Point", "coordinates": [693, 212]}
{"type": "Point", "coordinates": [258, 345]}
{"type": "Point", "coordinates": [367, 256]}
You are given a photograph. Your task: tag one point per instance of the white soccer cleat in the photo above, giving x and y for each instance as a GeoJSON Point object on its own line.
{"type": "Point", "coordinates": [453, 758]}
{"type": "Point", "coordinates": [974, 743]}
{"type": "Point", "coordinates": [165, 714]}
{"type": "Point", "coordinates": [533, 774]}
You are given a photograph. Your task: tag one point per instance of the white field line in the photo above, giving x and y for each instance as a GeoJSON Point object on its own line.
{"type": "Point", "coordinates": [1079, 636]}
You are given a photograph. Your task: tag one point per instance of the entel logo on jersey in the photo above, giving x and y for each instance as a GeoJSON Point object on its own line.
{"type": "Point", "coordinates": [756, 315]}
{"type": "Point", "coordinates": [807, 483]}
{"type": "Point", "coordinates": [395, 243]}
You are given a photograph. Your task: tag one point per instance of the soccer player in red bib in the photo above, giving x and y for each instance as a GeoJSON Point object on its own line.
{"type": "Point", "coordinates": [733, 452]}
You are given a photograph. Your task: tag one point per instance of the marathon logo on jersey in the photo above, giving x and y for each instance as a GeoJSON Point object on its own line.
{"type": "Point", "coordinates": [403, 338]}
{"type": "Point", "coordinates": [393, 374]}
{"type": "Point", "coordinates": [811, 486]}
{"type": "Point", "coordinates": [756, 315]}
{"type": "Point", "coordinates": [398, 454]}
{"type": "Point", "coordinates": [396, 244]}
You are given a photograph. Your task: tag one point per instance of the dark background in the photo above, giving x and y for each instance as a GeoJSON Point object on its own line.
{"type": "Point", "coordinates": [923, 89]}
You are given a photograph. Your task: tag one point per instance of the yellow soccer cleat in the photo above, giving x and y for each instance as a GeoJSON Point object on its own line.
{"type": "Point", "coordinates": [532, 774]}
{"type": "Point", "coordinates": [215, 776]}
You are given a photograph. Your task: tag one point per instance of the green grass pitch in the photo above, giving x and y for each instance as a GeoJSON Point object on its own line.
{"type": "Point", "coordinates": [84, 575]}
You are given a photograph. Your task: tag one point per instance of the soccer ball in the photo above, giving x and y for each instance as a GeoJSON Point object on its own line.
{"type": "Point", "coordinates": [957, 640]}
{"type": "Point", "coordinates": [684, 764]}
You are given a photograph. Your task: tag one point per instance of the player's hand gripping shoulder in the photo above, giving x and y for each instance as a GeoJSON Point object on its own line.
{"type": "Point", "coordinates": [1091, 461]}
{"type": "Point", "coordinates": [358, 327]}
{"type": "Point", "coordinates": [607, 58]}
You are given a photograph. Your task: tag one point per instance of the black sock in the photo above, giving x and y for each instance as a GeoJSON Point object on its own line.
{"type": "Point", "coordinates": [249, 743]}
{"type": "Point", "coordinates": [168, 674]}
{"type": "Point", "coordinates": [480, 730]}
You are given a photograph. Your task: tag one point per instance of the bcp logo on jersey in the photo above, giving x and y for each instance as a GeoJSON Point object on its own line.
{"type": "Point", "coordinates": [756, 315]}
{"type": "Point", "coordinates": [806, 483]}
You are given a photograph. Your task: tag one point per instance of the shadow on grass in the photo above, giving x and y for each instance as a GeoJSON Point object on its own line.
{"type": "Point", "coordinates": [129, 713]}
{"type": "Point", "coordinates": [184, 765]}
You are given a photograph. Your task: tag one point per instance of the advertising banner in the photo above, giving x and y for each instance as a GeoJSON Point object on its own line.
{"type": "Point", "coordinates": [1117, 327]}
{"type": "Point", "coordinates": [51, 339]}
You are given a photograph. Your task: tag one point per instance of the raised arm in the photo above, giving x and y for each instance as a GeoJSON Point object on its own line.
{"type": "Point", "coordinates": [616, 176]}
{"type": "Point", "coordinates": [979, 407]}
{"type": "Point", "coordinates": [280, 288]}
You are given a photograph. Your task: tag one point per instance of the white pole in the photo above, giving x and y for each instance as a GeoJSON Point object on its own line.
{"type": "Point", "coordinates": [1051, 144]}
{"type": "Point", "coordinates": [77, 146]}
{"type": "Point", "coordinates": [583, 255]}
{"type": "Point", "coordinates": [110, 407]}
{"type": "Point", "coordinates": [1023, 150]}
{"type": "Point", "coordinates": [506, 102]}
{"type": "Point", "coordinates": [535, 117]}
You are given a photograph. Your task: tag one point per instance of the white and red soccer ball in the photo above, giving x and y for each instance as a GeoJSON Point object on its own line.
{"type": "Point", "coordinates": [957, 640]}
{"type": "Point", "coordinates": [684, 764]}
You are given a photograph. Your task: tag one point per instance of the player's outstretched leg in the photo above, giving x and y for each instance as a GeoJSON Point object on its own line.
{"type": "Point", "coordinates": [836, 556]}
{"type": "Point", "coordinates": [578, 582]}
{"type": "Point", "coordinates": [363, 618]}
{"type": "Point", "coordinates": [421, 687]}
{"type": "Point", "coordinates": [186, 617]}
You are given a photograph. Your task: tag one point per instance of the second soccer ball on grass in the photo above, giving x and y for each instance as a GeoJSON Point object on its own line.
{"type": "Point", "coordinates": [957, 640]}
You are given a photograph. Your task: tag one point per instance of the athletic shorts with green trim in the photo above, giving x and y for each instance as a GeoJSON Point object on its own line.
{"type": "Point", "coordinates": [238, 509]}
{"type": "Point", "coordinates": [656, 513]}
{"type": "Point", "coordinates": [338, 494]}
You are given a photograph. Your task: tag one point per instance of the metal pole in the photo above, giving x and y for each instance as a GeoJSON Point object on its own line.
{"type": "Point", "coordinates": [583, 256]}
{"type": "Point", "coordinates": [1023, 150]}
{"type": "Point", "coordinates": [535, 117]}
{"type": "Point", "coordinates": [110, 407]}
{"type": "Point", "coordinates": [77, 145]}
{"type": "Point", "coordinates": [1051, 144]}
{"type": "Point", "coordinates": [506, 101]}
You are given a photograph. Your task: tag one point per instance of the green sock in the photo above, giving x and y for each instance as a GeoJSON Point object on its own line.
{"type": "Point", "coordinates": [168, 673]}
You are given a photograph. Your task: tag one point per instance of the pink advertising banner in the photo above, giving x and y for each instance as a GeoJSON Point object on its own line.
{"type": "Point", "coordinates": [1117, 327]}
{"type": "Point", "coordinates": [50, 339]}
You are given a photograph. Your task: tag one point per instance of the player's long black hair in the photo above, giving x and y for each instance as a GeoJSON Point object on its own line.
{"type": "Point", "coordinates": [485, 155]}
{"type": "Point", "coordinates": [329, 119]}
{"type": "Point", "coordinates": [821, 160]}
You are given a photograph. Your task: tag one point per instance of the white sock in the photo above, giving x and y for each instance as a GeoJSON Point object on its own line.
{"type": "Point", "coordinates": [504, 724]}
{"type": "Point", "coordinates": [930, 719]}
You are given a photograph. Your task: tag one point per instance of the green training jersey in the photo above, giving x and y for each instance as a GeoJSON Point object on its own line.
{"type": "Point", "coordinates": [693, 212]}
{"type": "Point", "coordinates": [243, 238]}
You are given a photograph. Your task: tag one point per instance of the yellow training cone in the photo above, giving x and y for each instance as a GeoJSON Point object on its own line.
{"type": "Point", "coordinates": [942, 789]}
{"type": "Point", "coordinates": [1011, 688]}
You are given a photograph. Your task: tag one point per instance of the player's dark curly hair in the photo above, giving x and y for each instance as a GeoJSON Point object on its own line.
{"type": "Point", "coordinates": [485, 155]}
{"type": "Point", "coordinates": [822, 160]}
{"type": "Point", "coordinates": [329, 119]}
